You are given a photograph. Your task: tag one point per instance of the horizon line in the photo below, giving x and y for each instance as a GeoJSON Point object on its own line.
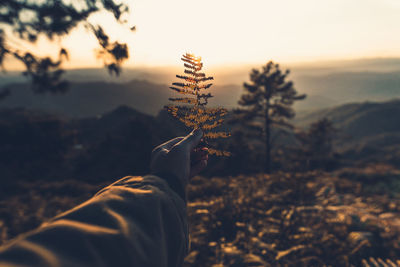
{"type": "Point", "coordinates": [226, 65]}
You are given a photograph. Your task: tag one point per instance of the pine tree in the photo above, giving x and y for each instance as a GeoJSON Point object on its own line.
{"type": "Point", "coordinates": [266, 103]}
{"type": "Point", "coordinates": [316, 144]}
{"type": "Point", "coordinates": [192, 110]}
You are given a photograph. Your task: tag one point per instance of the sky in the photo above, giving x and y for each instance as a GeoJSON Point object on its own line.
{"type": "Point", "coordinates": [231, 32]}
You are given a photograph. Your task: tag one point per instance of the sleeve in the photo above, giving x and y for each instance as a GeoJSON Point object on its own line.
{"type": "Point", "coordinates": [136, 221]}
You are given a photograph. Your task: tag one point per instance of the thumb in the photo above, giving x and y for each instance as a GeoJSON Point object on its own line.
{"type": "Point", "coordinates": [192, 139]}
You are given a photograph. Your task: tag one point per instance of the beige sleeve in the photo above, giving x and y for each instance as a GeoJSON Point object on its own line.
{"type": "Point", "coordinates": [137, 221]}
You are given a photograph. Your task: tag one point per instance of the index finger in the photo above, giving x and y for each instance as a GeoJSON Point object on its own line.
{"type": "Point", "coordinates": [191, 140]}
{"type": "Point", "coordinates": [169, 144]}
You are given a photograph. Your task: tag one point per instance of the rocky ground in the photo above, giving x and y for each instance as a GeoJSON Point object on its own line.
{"type": "Point", "coordinates": [286, 219]}
{"type": "Point", "coordinates": [349, 217]}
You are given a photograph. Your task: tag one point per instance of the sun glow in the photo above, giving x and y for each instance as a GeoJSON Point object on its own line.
{"type": "Point", "coordinates": [237, 32]}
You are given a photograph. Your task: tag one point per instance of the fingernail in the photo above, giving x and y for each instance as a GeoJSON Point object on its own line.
{"type": "Point", "coordinates": [197, 131]}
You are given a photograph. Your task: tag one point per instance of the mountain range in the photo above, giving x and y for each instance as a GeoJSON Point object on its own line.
{"type": "Point", "coordinates": [93, 92]}
{"type": "Point", "coordinates": [88, 99]}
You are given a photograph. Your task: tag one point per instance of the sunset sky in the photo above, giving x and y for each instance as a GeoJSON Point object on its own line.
{"type": "Point", "coordinates": [253, 31]}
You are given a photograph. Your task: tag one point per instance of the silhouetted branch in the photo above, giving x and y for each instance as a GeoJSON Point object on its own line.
{"type": "Point", "coordinates": [30, 19]}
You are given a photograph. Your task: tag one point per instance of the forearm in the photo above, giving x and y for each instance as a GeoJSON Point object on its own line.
{"type": "Point", "coordinates": [133, 222]}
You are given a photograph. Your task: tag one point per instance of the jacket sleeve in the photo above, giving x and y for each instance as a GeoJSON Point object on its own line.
{"type": "Point", "coordinates": [137, 221]}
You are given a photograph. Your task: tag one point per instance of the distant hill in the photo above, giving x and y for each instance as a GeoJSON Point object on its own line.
{"type": "Point", "coordinates": [332, 83]}
{"type": "Point", "coordinates": [359, 119]}
{"type": "Point", "coordinates": [94, 92]}
{"type": "Point", "coordinates": [87, 99]}
{"type": "Point", "coordinates": [35, 145]}
{"type": "Point", "coordinates": [368, 131]}
{"type": "Point", "coordinates": [347, 87]}
{"type": "Point", "coordinates": [152, 74]}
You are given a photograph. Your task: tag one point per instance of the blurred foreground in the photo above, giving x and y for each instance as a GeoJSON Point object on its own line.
{"type": "Point", "coordinates": [294, 219]}
{"type": "Point", "coordinates": [285, 219]}
{"type": "Point", "coordinates": [317, 209]}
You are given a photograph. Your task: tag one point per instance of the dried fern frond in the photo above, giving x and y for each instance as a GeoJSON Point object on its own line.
{"type": "Point", "coordinates": [193, 111]}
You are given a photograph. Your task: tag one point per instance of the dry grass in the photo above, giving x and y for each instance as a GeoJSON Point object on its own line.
{"type": "Point", "coordinates": [285, 219]}
{"type": "Point", "coordinates": [311, 219]}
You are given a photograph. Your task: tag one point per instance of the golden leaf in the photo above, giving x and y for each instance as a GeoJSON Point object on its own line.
{"type": "Point", "coordinates": [194, 113]}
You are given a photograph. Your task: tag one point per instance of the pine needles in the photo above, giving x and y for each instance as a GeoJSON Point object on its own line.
{"type": "Point", "coordinates": [191, 108]}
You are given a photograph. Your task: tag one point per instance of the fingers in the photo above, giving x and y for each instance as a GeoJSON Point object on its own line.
{"type": "Point", "coordinates": [198, 167]}
{"type": "Point", "coordinates": [199, 154]}
{"type": "Point", "coordinates": [199, 160]}
{"type": "Point", "coordinates": [192, 139]}
{"type": "Point", "coordinates": [169, 144]}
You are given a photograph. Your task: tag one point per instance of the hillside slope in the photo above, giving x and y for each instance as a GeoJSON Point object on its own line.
{"type": "Point", "coordinates": [365, 131]}
{"type": "Point", "coordinates": [88, 99]}
{"type": "Point", "coordinates": [358, 119]}
{"type": "Point", "coordinates": [41, 146]}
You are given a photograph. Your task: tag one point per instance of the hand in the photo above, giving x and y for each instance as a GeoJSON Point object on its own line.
{"type": "Point", "coordinates": [180, 157]}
